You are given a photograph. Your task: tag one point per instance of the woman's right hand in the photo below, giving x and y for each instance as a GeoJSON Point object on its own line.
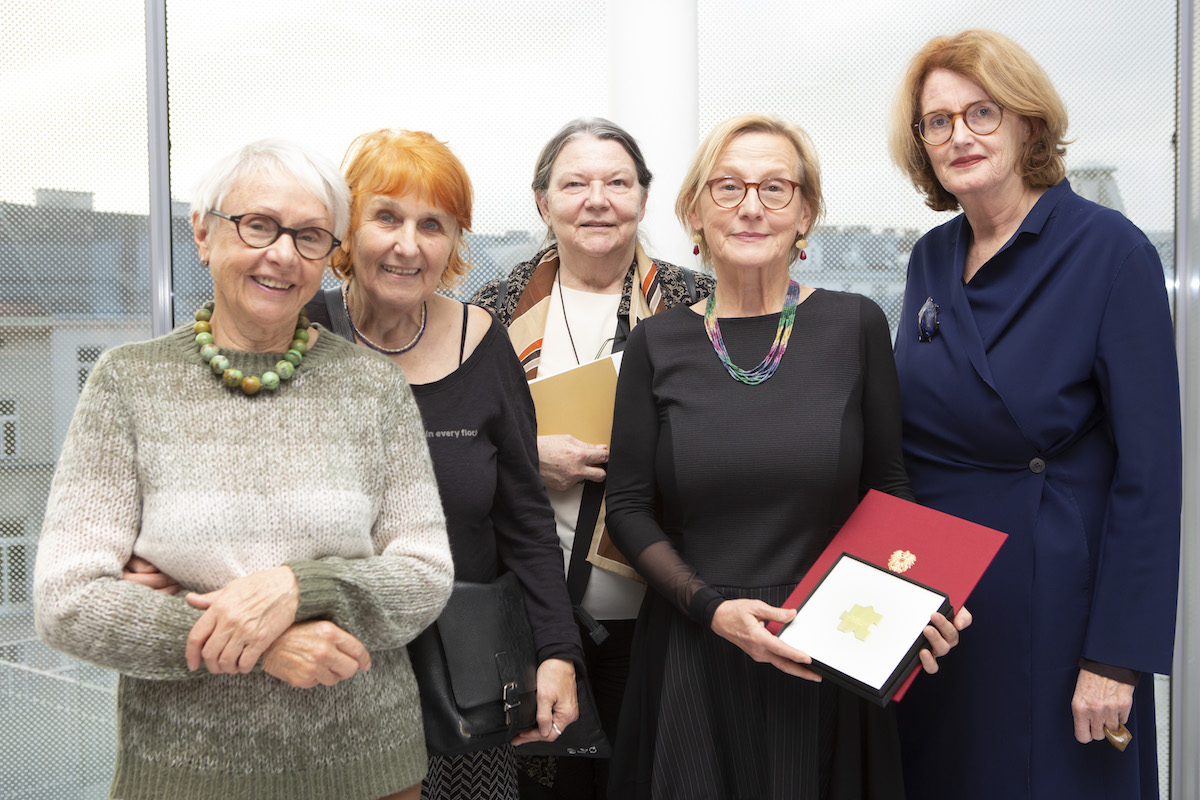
{"type": "Point", "coordinates": [743, 622]}
{"type": "Point", "coordinates": [565, 461]}
{"type": "Point", "coordinates": [241, 620]}
{"type": "Point", "coordinates": [315, 652]}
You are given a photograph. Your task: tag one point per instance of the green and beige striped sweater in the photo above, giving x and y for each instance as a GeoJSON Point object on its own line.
{"type": "Point", "coordinates": [329, 474]}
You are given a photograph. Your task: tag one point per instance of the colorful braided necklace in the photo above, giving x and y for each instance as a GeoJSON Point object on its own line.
{"type": "Point", "coordinates": [767, 368]}
{"type": "Point", "coordinates": [233, 377]}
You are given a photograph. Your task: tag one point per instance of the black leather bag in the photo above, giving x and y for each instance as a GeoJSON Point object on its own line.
{"type": "Point", "coordinates": [583, 737]}
{"type": "Point", "coordinates": [476, 668]}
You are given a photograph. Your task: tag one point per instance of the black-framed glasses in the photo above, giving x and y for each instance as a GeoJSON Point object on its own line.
{"type": "Point", "coordinates": [773, 193]}
{"type": "Point", "coordinates": [982, 118]}
{"type": "Point", "coordinates": [259, 230]}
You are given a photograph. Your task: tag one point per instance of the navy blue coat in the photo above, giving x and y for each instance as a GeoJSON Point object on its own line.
{"type": "Point", "coordinates": [1047, 406]}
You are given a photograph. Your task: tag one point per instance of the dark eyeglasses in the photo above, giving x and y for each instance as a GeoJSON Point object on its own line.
{"type": "Point", "coordinates": [773, 193]}
{"type": "Point", "coordinates": [259, 230]}
{"type": "Point", "coordinates": [927, 321]}
{"type": "Point", "coordinates": [982, 119]}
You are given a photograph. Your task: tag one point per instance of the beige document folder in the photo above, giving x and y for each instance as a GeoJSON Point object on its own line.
{"type": "Point", "coordinates": [580, 402]}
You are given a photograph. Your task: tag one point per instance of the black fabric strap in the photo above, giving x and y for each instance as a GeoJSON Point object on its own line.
{"type": "Point", "coordinates": [501, 296]}
{"type": "Point", "coordinates": [580, 569]}
{"type": "Point", "coordinates": [462, 344]}
{"type": "Point", "coordinates": [339, 317]}
{"type": "Point", "coordinates": [689, 280]}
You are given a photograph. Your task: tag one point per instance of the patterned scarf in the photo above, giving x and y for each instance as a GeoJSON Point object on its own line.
{"type": "Point", "coordinates": [528, 325]}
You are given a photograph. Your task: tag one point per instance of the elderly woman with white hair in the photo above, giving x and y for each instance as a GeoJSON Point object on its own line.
{"type": "Point", "coordinates": [282, 477]}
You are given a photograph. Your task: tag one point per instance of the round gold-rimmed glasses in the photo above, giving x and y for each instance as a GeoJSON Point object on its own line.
{"type": "Point", "coordinates": [982, 118]}
{"type": "Point", "coordinates": [773, 193]}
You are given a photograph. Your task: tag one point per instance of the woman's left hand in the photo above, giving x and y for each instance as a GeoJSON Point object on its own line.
{"type": "Point", "coordinates": [139, 570]}
{"type": "Point", "coordinates": [1099, 702]}
{"type": "Point", "coordinates": [943, 636]}
{"type": "Point", "coordinates": [241, 620]}
{"type": "Point", "coordinates": [557, 705]}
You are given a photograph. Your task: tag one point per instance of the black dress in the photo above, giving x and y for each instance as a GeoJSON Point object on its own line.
{"type": "Point", "coordinates": [720, 490]}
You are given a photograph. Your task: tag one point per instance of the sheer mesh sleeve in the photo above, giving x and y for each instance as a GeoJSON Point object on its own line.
{"type": "Point", "coordinates": [633, 489]}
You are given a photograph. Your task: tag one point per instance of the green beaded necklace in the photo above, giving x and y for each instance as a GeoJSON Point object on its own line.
{"type": "Point", "coordinates": [234, 379]}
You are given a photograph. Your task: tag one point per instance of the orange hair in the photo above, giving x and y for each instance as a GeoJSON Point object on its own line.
{"type": "Point", "coordinates": [397, 162]}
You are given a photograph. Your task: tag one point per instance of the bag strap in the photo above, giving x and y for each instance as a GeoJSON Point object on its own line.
{"type": "Point", "coordinates": [689, 280]}
{"type": "Point", "coordinates": [580, 569]}
{"type": "Point", "coordinates": [339, 319]}
{"type": "Point", "coordinates": [501, 296]}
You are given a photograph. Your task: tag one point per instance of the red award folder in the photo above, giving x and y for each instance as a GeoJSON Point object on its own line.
{"type": "Point", "coordinates": [939, 550]}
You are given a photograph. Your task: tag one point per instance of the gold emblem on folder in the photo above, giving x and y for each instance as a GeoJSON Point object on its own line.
{"type": "Point", "coordinates": [901, 561]}
{"type": "Point", "coordinates": [859, 620]}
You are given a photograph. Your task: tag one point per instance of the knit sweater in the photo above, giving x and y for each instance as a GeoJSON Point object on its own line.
{"type": "Point", "coordinates": [329, 474]}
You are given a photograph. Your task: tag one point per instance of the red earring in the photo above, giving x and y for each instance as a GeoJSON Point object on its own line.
{"type": "Point", "coordinates": [696, 239]}
{"type": "Point", "coordinates": [802, 243]}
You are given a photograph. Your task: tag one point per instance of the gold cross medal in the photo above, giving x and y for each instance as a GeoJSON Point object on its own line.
{"type": "Point", "coordinates": [859, 620]}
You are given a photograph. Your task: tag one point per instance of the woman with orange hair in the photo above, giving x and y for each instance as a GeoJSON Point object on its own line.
{"type": "Point", "coordinates": [410, 205]}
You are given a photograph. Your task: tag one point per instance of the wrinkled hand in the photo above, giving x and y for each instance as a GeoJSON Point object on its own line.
{"type": "Point", "coordinates": [943, 636]}
{"type": "Point", "coordinates": [1099, 701]}
{"type": "Point", "coordinates": [315, 652]}
{"type": "Point", "coordinates": [139, 570]}
{"type": "Point", "coordinates": [743, 623]}
{"type": "Point", "coordinates": [241, 620]}
{"type": "Point", "coordinates": [565, 461]}
{"type": "Point", "coordinates": [556, 702]}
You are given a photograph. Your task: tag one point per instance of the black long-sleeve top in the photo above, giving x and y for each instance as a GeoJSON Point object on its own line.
{"type": "Point", "coordinates": [482, 435]}
{"type": "Point", "coordinates": [716, 483]}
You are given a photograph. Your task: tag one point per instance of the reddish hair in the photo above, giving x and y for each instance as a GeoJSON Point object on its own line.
{"type": "Point", "coordinates": [396, 162]}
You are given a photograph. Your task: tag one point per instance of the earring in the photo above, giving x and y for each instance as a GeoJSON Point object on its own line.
{"type": "Point", "coordinates": [802, 243]}
{"type": "Point", "coordinates": [204, 264]}
{"type": "Point", "coordinates": [696, 238]}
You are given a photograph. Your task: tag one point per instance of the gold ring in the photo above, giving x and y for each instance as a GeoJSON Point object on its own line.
{"type": "Point", "coordinates": [1120, 738]}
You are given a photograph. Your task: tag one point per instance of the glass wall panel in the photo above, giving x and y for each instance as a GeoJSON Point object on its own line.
{"type": "Point", "coordinates": [836, 75]}
{"type": "Point", "coordinates": [841, 63]}
{"type": "Point", "coordinates": [493, 79]}
{"type": "Point", "coordinates": [74, 280]}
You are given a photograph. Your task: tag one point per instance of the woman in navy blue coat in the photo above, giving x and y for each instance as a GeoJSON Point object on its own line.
{"type": "Point", "coordinates": [1040, 394]}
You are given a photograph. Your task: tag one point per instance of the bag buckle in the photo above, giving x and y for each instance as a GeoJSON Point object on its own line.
{"type": "Point", "coordinates": [512, 699]}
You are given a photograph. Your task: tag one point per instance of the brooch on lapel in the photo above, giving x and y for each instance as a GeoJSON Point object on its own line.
{"type": "Point", "coordinates": [927, 321]}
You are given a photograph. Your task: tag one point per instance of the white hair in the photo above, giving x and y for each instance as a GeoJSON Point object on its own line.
{"type": "Point", "coordinates": [314, 172]}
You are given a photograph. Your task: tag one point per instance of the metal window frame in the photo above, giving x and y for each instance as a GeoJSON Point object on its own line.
{"type": "Point", "coordinates": [1185, 683]}
{"type": "Point", "coordinates": [159, 146]}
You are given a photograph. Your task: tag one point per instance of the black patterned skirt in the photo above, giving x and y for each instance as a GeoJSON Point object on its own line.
{"type": "Point", "coordinates": [704, 721]}
{"type": "Point", "coordinates": [482, 775]}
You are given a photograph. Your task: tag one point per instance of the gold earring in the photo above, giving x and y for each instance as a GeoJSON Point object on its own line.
{"type": "Point", "coordinates": [802, 243]}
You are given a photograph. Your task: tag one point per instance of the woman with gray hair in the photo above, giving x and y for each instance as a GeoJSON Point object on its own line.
{"type": "Point", "coordinates": [574, 302]}
{"type": "Point", "coordinates": [283, 673]}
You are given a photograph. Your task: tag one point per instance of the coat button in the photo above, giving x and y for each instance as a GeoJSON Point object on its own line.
{"type": "Point", "coordinates": [1037, 466]}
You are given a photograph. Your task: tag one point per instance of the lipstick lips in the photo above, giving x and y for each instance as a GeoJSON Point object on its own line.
{"type": "Point", "coordinates": [403, 272]}
{"type": "Point", "coordinates": [966, 161]}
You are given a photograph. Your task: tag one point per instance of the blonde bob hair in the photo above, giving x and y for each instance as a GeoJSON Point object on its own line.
{"type": "Point", "coordinates": [1011, 77]}
{"type": "Point", "coordinates": [396, 162]}
{"type": "Point", "coordinates": [808, 169]}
